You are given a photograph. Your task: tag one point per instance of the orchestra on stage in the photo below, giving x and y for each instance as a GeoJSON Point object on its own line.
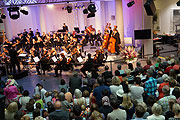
{"type": "Point", "coordinates": [59, 51]}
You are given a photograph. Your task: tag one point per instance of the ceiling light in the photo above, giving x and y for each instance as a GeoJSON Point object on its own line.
{"type": "Point", "coordinates": [3, 16]}
{"type": "Point", "coordinates": [85, 11]}
{"type": "Point", "coordinates": [14, 12]}
{"type": "Point", "coordinates": [92, 8]}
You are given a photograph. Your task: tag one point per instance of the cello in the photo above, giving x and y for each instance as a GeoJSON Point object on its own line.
{"type": "Point", "coordinates": [106, 40]}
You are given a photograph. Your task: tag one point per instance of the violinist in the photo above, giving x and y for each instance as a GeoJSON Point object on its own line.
{"type": "Point", "coordinates": [7, 44]}
{"type": "Point", "coordinates": [99, 38]}
{"type": "Point", "coordinates": [93, 38]}
{"type": "Point", "coordinates": [61, 65]}
{"type": "Point", "coordinates": [31, 32]}
{"type": "Point", "coordinates": [98, 58]}
{"type": "Point", "coordinates": [44, 64]}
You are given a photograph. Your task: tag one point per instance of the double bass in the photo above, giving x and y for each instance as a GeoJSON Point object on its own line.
{"type": "Point", "coordinates": [111, 47]}
{"type": "Point", "coordinates": [90, 29]}
{"type": "Point", "coordinates": [106, 40]}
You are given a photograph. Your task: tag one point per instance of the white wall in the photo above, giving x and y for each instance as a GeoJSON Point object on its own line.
{"type": "Point", "coordinates": [165, 7]}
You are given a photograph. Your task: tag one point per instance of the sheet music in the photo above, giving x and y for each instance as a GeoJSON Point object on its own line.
{"type": "Point", "coordinates": [54, 59]}
{"type": "Point", "coordinates": [36, 59]}
{"type": "Point", "coordinates": [80, 59]}
{"type": "Point", "coordinates": [22, 55]}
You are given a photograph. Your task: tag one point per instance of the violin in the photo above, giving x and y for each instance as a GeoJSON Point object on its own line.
{"type": "Point", "coordinates": [69, 61]}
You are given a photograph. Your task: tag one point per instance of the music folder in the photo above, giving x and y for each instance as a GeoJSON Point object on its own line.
{"type": "Point", "coordinates": [36, 59]}
{"type": "Point", "coordinates": [80, 59]}
{"type": "Point", "coordinates": [54, 59]}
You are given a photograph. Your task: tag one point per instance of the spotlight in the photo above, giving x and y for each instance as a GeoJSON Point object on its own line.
{"type": "Point", "coordinates": [85, 11]}
{"type": "Point", "coordinates": [14, 12]}
{"type": "Point", "coordinates": [3, 16]}
{"type": "Point", "coordinates": [82, 6]}
{"type": "Point", "coordinates": [91, 15]}
{"type": "Point", "coordinates": [69, 9]}
{"type": "Point", "coordinates": [92, 8]}
{"type": "Point", "coordinates": [178, 3]}
{"type": "Point", "coordinates": [1, 21]}
{"type": "Point", "coordinates": [24, 12]}
{"type": "Point", "coordinates": [130, 3]}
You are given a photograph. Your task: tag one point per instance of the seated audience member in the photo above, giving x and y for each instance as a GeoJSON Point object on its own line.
{"type": "Point", "coordinates": [172, 85]}
{"type": "Point", "coordinates": [24, 99]}
{"type": "Point", "coordinates": [79, 100]}
{"type": "Point", "coordinates": [91, 81]}
{"type": "Point", "coordinates": [166, 79]}
{"type": "Point", "coordinates": [176, 66]}
{"type": "Point", "coordinates": [146, 114]}
{"type": "Point", "coordinates": [36, 89]}
{"type": "Point", "coordinates": [95, 115]}
{"type": "Point", "coordinates": [58, 113]}
{"type": "Point", "coordinates": [139, 112]}
{"type": "Point", "coordinates": [151, 84]}
{"type": "Point", "coordinates": [130, 66]}
{"type": "Point", "coordinates": [138, 68]}
{"type": "Point", "coordinates": [38, 100]}
{"type": "Point", "coordinates": [128, 106]}
{"type": "Point", "coordinates": [92, 99]}
{"type": "Point", "coordinates": [74, 82]}
{"type": "Point", "coordinates": [11, 110]}
{"type": "Point", "coordinates": [50, 107]}
{"type": "Point", "coordinates": [97, 93]}
{"type": "Point", "coordinates": [68, 97]}
{"type": "Point", "coordinates": [125, 85]}
{"type": "Point", "coordinates": [85, 87]}
{"type": "Point", "coordinates": [117, 73]}
{"type": "Point", "coordinates": [65, 105]}
{"type": "Point", "coordinates": [156, 110]}
{"type": "Point", "coordinates": [176, 93]}
{"type": "Point", "coordinates": [170, 113]}
{"type": "Point", "coordinates": [120, 71]}
{"type": "Point", "coordinates": [158, 61]}
{"type": "Point", "coordinates": [120, 94]}
{"type": "Point", "coordinates": [39, 118]}
{"type": "Point", "coordinates": [172, 74]}
{"type": "Point", "coordinates": [137, 91]}
{"type": "Point", "coordinates": [36, 113]}
{"type": "Point", "coordinates": [19, 114]}
{"type": "Point", "coordinates": [29, 108]}
{"type": "Point", "coordinates": [148, 64]}
{"type": "Point", "coordinates": [159, 77]}
{"type": "Point", "coordinates": [42, 91]}
{"type": "Point", "coordinates": [77, 112]}
{"type": "Point", "coordinates": [106, 107]}
{"type": "Point", "coordinates": [169, 67]}
{"type": "Point", "coordinates": [47, 98]}
{"type": "Point", "coordinates": [115, 86]}
{"type": "Point", "coordinates": [10, 91]}
{"type": "Point", "coordinates": [86, 96]}
{"type": "Point", "coordinates": [117, 113]}
{"type": "Point", "coordinates": [164, 101]}
{"type": "Point", "coordinates": [63, 85]}
{"type": "Point", "coordinates": [154, 71]}
{"type": "Point", "coordinates": [129, 76]}
{"type": "Point", "coordinates": [176, 110]}
{"type": "Point", "coordinates": [150, 102]}
{"type": "Point", "coordinates": [25, 118]}
{"type": "Point", "coordinates": [107, 74]}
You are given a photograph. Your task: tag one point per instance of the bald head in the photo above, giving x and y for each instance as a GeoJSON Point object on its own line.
{"type": "Point", "coordinates": [57, 105]}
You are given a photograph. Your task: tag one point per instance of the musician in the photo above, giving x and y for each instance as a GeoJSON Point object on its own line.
{"type": "Point", "coordinates": [98, 58]}
{"type": "Point", "coordinates": [118, 41]}
{"type": "Point", "coordinates": [37, 32]}
{"type": "Point", "coordinates": [93, 38]}
{"type": "Point", "coordinates": [61, 65]}
{"type": "Point", "coordinates": [44, 61]}
{"type": "Point", "coordinates": [99, 38]}
{"type": "Point", "coordinates": [25, 33]}
{"type": "Point", "coordinates": [87, 66]}
{"type": "Point", "coordinates": [7, 44]}
{"type": "Point", "coordinates": [31, 32]}
{"type": "Point", "coordinates": [65, 27]}
{"type": "Point", "coordinates": [14, 59]}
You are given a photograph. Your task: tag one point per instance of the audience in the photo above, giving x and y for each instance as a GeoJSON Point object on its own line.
{"type": "Point", "coordinates": [138, 93]}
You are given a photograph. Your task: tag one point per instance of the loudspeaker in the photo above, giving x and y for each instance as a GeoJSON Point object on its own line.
{"type": "Point", "coordinates": [2, 107]}
{"type": "Point", "coordinates": [150, 7]}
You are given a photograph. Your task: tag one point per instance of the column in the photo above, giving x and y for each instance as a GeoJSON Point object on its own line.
{"type": "Point", "coordinates": [119, 19]}
{"type": "Point", "coordinates": [98, 17]}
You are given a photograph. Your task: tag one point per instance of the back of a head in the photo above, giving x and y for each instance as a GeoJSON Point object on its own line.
{"type": "Point", "coordinates": [166, 90]}
{"type": "Point", "coordinates": [148, 62]}
{"type": "Point", "coordinates": [36, 113]}
{"type": "Point", "coordinates": [119, 67]}
{"type": "Point", "coordinates": [63, 82]}
{"type": "Point", "coordinates": [51, 108]}
{"type": "Point", "coordinates": [61, 96]}
{"type": "Point", "coordinates": [89, 75]}
{"type": "Point", "coordinates": [38, 105]}
{"type": "Point", "coordinates": [176, 92]}
{"type": "Point", "coordinates": [149, 72]}
{"type": "Point", "coordinates": [117, 73]}
{"type": "Point", "coordinates": [29, 107]}
{"type": "Point", "coordinates": [100, 80]}
{"type": "Point", "coordinates": [106, 67]}
{"type": "Point", "coordinates": [39, 118]}
{"type": "Point", "coordinates": [77, 110]}
{"type": "Point", "coordinates": [85, 82]}
{"type": "Point", "coordinates": [138, 80]}
{"type": "Point", "coordinates": [26, 93]}
{"type": "Point", "coordinates": [75, 73]}
{"type": "Point", "coordinates": [57, 105]}
{"type": "Point", "coordinates": [156, 109]}
{"type": "Point", "coordinates": [139, 111]}
{"type": "Point", "coordinates": [114, 103]}
{"type": "Point", "coordinates": [176, 108]}
{"type": "Point", "coordinates": [12, 107]}
{"type": "Point", "coordinates": [77, 93]}
{"type": "Point", "coordinates": [138, 64]}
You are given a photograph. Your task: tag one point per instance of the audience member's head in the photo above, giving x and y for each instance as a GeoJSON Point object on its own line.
{"type": "Point", "coordinates": [89, 75]}
{"type": "Point", "coordinates": [12, 107]}
{"type": "Point", "coordinates": [138, 64]}
{"type": "Point", "coordinates": [96, 115]}
{"type": "Point", "coordinates": [25, 117]}
{"type": "Point", "coordinates": [38, 105]}
{"type": "Point", "coordinates": [75, 73]}
{"type": "Point", "coordinates": [18, 115]}
{"type": "Point", "coordinates": [139, 111]}
{"type": "Point", "coordinates": [148, 62]}
{"type": "Point", "coordinates": [63, 82]}
{"type": "Point", "coordinates": [57, 105]}
{"type": "Point", "coordinates": [151, 100]}
{"type": "Point", "coordinates": [39, 118]}
{"type": "Point", "coordinates": [77, 93]}
{"type": "Point", "coordinates": [166, 90]}
{"type": "Point", "coordinates": [130, 66]}
{"type": "Point", "coordinates": [100, 80]}
{"type": "Point", "coordinates": [128, 71]}
{"type": "Point", "coordinates": [156, 109]}
{"type": "Point", "coordinates": [176, 108]}
{"type": "Point", "coordinates": [149, 73]}
{"type": "Point", "coordinates": [106, 67]}
{"type": "Point", "coordinates": [171, 103]}
{"type": "Point", "coordinates": [94, 107]}
{"type": "Point", "coordinates": [77, 110]}
{"type": "Point", "coordinates": [176, 92]}
{"type": "Point", "coordinates": [85, 82]}
{"type": "Point", "coordinates": [105, 101]}
{"type": "Point", "coordinates": [114, 103]}
{"type": "Point", "coordinates": [37, 97]}
{"type": "Point", "coordinates": [29, 107]}
{"type": "Point", "coordinates": [61, 96]}
{"type": "Point", "coordinates": [26, 93]}
{"type": "Point", "coordinates": [138, 80]}
{"type": "Point", "coordinates": [85, 93]}
{"type": "Point", "coordinates": [116, 80]}
{"type": "Point", "coordinates": [165, 78]}
{"type": "Point", "coordinates": [51, 108]}
{"type": "Point", "coordinates": [36, 113]}
{"type": "Point", "coordinates": [119, 67]}
{"type": "Point", "coordinates": [127, 103]}
{"type": "Point", "coordinates": [117, 73]}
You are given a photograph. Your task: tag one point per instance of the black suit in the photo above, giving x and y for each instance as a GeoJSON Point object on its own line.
{"type": "Point", "coordinates": [59, 115]}
{"type": "Point", "coordinates": [87, 66]}
{"type": "Point", "coordinates": [14, 59]}
{"type": "Point", "coordinates": [65, 28]}
{"type": "Point", "coordinates": [107, 74]}
{"type": "Point", "coordinates": [74, 83]}
{"type": "Point", "coordinates": [118, 41]}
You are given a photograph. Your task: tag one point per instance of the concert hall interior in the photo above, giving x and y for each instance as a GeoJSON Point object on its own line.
{"type": "Point", "coordinates": [99, 50]}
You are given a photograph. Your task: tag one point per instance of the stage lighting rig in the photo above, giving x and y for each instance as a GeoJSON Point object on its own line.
{"type": "Point", "coordinates": [85, 11]}
{"type": "Point", "coordinates": [178, 3]}
{"type": "Point", "coordinates": [92, 8]}
{"type": "Point", "coordinates": [14, 12]}
{"type": "Point", "coordinates": [131, 3]}
{"type": "Point", "coordinates": [91, 15]}
{"type": "Point", "coordinates": [69, 9]}
{"type": "Point", "coordinates": [1, 21]}
{"type": "Point", "coordinates": [25, 12]}
{"type": "Point", "coordinates": [3, 16]}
